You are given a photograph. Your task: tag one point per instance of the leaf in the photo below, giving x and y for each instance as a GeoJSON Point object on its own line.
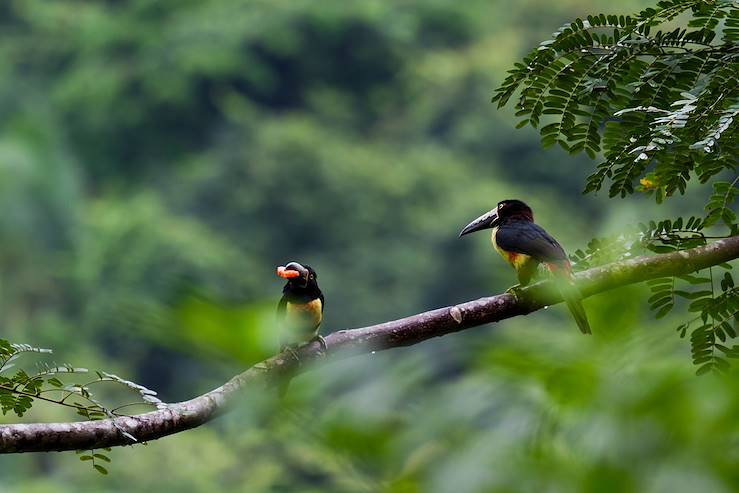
{"type": "Point", "coordinates": [704, 369]}
{"type": "Point", "coordinates": [695, 279]}
{"type": "Point", "coordinates": [663, 311]}
{"type": "Point", "coordinates": [55, 382]}
{"type": "Point", "coordinates": [693, 295]}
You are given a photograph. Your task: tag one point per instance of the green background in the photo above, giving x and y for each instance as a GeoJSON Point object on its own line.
{"type": "Point", "coordinates": [158, 159]}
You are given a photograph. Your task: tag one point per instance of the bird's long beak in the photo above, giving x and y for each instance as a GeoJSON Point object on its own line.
{"type": "Point", "coordinates": [486, 221]}
{"type": "Point", "coordinates": [293, 269]}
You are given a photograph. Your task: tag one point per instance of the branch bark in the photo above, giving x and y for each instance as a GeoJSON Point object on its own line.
{"type": "Point", "coordinates": [38, 437]}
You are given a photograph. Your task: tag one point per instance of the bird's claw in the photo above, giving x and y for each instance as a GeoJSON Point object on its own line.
{"type": "Point", "coordinates": [292, 352]}
{"type": "Point", "coordinates": [516, 291]}
{"type": "Point", "coordinates": [324, 347]}
{"type": "Point", "coordinates": [292, 349]}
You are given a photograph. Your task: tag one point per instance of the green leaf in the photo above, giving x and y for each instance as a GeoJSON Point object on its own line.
{"type": "Point", "coordinates": [695, 279]}
{"type": "Point", "coordinates": [693, 295]}
{"type": "Point", "coordinates": [663, 311]}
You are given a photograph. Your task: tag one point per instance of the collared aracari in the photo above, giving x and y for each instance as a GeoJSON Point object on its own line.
{"type": "Point", "coordinates": [300, 310]}
{"type": "Point", "coordinates": [525, 245]}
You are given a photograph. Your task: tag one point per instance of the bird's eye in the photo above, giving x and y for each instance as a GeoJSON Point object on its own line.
{"type": "Point", "coordinates": [312, 276]}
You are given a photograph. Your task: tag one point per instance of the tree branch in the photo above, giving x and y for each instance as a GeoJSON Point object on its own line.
{"type": "Point", "coordinates": [37, 437]}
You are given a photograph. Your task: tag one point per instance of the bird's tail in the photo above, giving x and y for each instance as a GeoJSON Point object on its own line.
{"type": "Point", "coordinates": [571, 295]}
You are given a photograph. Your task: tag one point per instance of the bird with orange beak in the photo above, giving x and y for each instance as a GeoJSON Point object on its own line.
{"type": "Point", "coordinates": [300, 310]}
{"type": "Point", "coordinates": [525, 245]}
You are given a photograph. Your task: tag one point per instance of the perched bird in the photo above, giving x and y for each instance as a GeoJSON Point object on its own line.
{"type": "Point", "coordinates": [525, 245]}
{"type": "Point", "coordinates": [300, 310]}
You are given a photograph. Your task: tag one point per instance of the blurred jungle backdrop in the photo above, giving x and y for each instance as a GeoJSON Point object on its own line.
{"type": "Point", "coordinates": [158, 159]}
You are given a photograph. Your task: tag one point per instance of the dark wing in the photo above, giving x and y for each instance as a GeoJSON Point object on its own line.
{"type": "Point", "coordinates": [530, 239]}
{"type": "Point", "coordinates": [281, 309]}
{"type": "Point", "coordinates": [281, 314]}
{"type": "Point", "coordinates": [323, 302]}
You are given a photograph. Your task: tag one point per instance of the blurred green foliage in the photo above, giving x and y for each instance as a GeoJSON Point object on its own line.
{"type": "Point", "coordinates": [159, 158]}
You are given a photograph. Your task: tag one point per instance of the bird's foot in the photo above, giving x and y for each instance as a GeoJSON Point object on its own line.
{"type": "Point", "coordinates": [324, 347]}
{"type": "Point", "coordinates": [516, 291]}
{"type": "Point", "coordinates": [292, 352]}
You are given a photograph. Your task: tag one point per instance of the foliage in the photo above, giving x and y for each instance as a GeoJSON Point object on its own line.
{"type": "Point", "coordinates": [718, 311]}
{"type": "Point", "coordinates": [657, 96]}
{"type": "Point", "coordinates": [45, 384]}
{"type": "Point", "coordinates": [718, 316]}
{"type": "Point", "coordinates": [95, 458]}
{"type": "Point", "coordinates": [659, 101]}
{"type": "Point", "coordinates": [159, 157]}
{"type": "Point", "coordinates": [19, 391]}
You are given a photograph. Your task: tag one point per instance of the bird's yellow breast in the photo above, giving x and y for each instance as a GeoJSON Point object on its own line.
{"type": "Point", "coordinates": [304, 316]}
{"type": "Point", "coordinates": [517, 260]}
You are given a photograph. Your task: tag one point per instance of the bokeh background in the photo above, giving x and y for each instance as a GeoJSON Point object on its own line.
{"type": "Point", "coordinates": [158, 159]}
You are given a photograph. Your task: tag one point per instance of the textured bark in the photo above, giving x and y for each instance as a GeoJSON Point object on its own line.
{"type": "Point", "coordinates": [182, 416]}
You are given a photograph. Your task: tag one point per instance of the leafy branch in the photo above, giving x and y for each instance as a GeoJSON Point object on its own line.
{"type": "Point", "coordinates": [639, 93]}
{"type": "Point", "coordinates": [661, 105]}
{"type": "Point", "coordinates": [716, 312]}
{"type": "Point", "coordinates": [19, 392]}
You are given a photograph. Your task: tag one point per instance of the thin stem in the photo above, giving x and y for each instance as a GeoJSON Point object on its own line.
{"type": "Point", "coordinates": [115, 409]}
{"type": "Point", "coordinates": [38, 396]}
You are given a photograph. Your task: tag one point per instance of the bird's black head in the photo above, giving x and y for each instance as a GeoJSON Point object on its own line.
{"type": "Point", "coordinates": [511, 209]}
{"type": "Point", "coordinates": [298, 276]}
{"type": "Point", "coordinates": [514, 209]}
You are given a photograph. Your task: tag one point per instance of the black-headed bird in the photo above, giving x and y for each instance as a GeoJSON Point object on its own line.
{"type": "Point", "coordinates": [525, 245]}
{"type": "Point", "coordinates": [300, 310]}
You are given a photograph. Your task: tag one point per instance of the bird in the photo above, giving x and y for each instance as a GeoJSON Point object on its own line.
{"type": "Point", "coordinates": [300, 310]}
{"type": "Point", "coordinates": [524, 244]}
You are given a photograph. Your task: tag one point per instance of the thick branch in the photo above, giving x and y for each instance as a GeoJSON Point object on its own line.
{"type": "Point", "coordinates": [175, 418]}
